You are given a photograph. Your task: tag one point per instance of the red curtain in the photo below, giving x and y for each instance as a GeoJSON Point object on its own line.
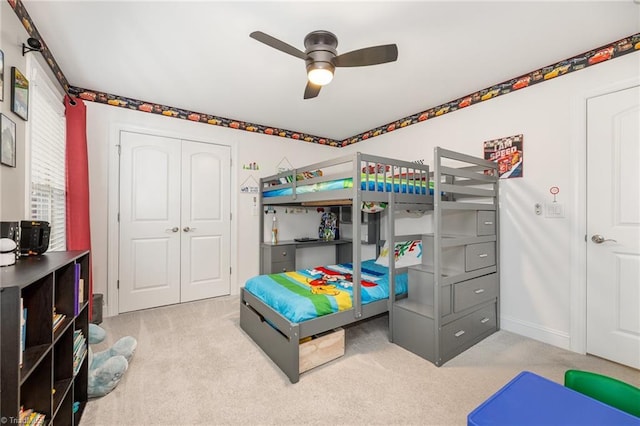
{"type": "Point", "coordinates": [77, 171]}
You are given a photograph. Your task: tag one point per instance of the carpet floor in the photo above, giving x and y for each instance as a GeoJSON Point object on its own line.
{"type": "Point", "coordinates": [195, 366]}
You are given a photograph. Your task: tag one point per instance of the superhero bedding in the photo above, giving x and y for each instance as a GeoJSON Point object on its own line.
{"type": "Point", "coordinates": [310, 293]}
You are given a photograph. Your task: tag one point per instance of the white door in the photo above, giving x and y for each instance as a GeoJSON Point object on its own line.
{"type": "Point", "coordinates": [174, 221]}
{"type": "Point", "coordinates": [149, 257]}
{"type": "Point", "coordinates": [613, 226]}
{"type": "Point", "coordinates": [206, 213]}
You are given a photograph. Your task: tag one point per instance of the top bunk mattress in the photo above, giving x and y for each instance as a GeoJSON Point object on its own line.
{"type": "Point", "coordinates": [368, 183]}
{"type": "Point", "coordinates": [299, 297]}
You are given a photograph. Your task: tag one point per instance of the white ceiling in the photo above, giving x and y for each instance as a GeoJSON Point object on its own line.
{"type": "Point", "coordinates": [199, 56]}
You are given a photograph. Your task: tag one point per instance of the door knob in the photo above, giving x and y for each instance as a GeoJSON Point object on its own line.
{"type": "Point", "coordinates": [174, 229]}
{"type": "Point", "coordinates": [599, 239]}
{"type": "Point", "coordinates": [187, 229]}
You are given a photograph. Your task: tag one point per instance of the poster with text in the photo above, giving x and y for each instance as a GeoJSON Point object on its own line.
{"type": "Point", "coordinates": [507, 152]}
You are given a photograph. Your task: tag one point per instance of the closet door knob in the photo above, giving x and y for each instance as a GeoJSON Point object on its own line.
{"type": "Point", "coordinates": [187, 229]}
{"type": "Point", "coordinates": [599, 239]}
{"type": "Point", "coordinates": [174, 229]}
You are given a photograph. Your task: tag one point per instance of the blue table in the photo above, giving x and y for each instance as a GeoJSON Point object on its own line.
{"type": "Point", "coordinates": [529, 399]}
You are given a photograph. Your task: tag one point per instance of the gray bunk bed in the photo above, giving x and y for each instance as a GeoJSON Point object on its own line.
{"type": "Point", "coordinates": [348, 180]}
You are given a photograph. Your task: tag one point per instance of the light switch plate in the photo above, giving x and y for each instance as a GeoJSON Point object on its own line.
{"type": "Point", "coordinates": [554, 210]}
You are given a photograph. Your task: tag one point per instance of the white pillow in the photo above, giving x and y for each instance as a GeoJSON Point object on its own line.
{"type": "Point", "coordinates": [407, 253]}
{"type": "Point", "coordinates": [373, 207]}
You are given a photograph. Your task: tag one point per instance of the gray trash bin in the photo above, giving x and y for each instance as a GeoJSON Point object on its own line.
{"type": "Point", "coordinates": [96, 316]}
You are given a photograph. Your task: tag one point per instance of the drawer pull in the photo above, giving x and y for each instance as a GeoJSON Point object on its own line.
{"type": "Point", "coordinates": [284, 253]}
{"type": "Point", "coordinates": [484, 320]}
{"type": "Point", "coordinates": [479, 291]}
{"type": "Point", "coordinates": [488, 223]}
{"type": "Point", "coordinates": [459, 333]}
{"type": "Point", "coordinates": [483, 255]}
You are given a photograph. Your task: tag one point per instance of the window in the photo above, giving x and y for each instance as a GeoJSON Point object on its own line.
{"type": "Point", "coordinates": [47, 175]}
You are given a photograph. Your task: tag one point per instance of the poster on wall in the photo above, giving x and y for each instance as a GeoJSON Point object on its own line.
{"type": "Point", "coordinates": [1, 75]}
{"type": "Point", "coordinates": [19, 94]}
{"type": "Point", "coordinates": [507, 152]}
{"type": "Point", "coordinates": [249, 186]}
{"type": "Point", "coordinates": [7, 141]}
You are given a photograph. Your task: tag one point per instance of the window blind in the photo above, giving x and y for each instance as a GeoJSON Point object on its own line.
{"type": "Point", "coordinates": [48, 141]}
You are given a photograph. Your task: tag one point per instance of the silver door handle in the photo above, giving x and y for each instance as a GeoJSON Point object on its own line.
{"type": "Point", "coordinates": [599, 239]}
{"type": "Point", "coordinates": [187, 229]}
{"type": "Point", "coordinates": [174, 229]}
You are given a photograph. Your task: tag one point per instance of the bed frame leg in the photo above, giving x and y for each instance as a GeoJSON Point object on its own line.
{"type": "Point", "coordinates": [283, 351]}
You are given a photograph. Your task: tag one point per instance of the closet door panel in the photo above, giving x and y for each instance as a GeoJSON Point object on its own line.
{"type": "Point", "coordinates": [206, 220]}
{"type": "Point", "coordinates": [149, 221]}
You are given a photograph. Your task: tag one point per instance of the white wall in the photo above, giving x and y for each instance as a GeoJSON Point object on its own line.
{"type": "Point", "coordinates": [103, 125]}
{"type": "Point", "coordinates": [12, 180]}
{"type": "Point", "coordinates": [535, 252]}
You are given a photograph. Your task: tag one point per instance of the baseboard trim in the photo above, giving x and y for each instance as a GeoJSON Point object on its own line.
{"type": "Point", "coordinates": [536, 332]}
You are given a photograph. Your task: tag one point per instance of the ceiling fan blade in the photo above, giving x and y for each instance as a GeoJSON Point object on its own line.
{"type": "Point", "coordinates": [277, 44]}
{"type": "Point", "coordinates": [312, 90]}
{"type": "Point", "coordinates": [367, 56]}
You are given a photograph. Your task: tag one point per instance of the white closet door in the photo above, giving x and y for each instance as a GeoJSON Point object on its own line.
{"type": "Point", "coordinates": [613, 226]}
{"type": "Point", "coordinates": [149, 260]}
{"type": "Point", "coordinates": [206, 220]}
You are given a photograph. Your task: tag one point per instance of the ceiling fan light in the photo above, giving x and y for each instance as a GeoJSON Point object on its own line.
{"type": "Point", "coordinates": [320, 76]}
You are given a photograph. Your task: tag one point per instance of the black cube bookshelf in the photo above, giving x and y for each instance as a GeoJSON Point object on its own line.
{"type": "Point", "coordinates": [43, 358]}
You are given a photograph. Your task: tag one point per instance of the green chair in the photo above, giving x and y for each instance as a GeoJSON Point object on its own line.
{"type": "Point", "coordinates": [605, 389]}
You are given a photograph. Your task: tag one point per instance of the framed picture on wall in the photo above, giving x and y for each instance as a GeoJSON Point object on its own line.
{"type": "Point", "coordinates": [19, 94]}
{"type": "Point", "coordinates": [1, 75]}
{"type": "Point", "coordinates": [508, 153]}
{"type": "Point", "coordinates": [7, 141]}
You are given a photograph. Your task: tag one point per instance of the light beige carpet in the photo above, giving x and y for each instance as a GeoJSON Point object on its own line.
{"type": "Point", "coordinates": [195, 366]}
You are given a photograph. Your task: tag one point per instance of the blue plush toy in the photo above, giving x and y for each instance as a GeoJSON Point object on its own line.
{"type": "Point", "coordinates": [106, 368]}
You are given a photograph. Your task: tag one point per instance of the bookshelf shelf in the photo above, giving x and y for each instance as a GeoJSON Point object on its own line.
{"type": "Point", "coordinates": [31, 359]}
{"type": "Point", "coordinates": [43, 309]}
{"type": "Point", "coordinates": [64, 326]}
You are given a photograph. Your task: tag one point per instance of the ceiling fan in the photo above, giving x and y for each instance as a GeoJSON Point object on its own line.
{"type": "Point", "coordinates": [321, 56]}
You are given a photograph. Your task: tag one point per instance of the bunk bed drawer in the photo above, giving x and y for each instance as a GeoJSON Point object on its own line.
{"type": "Point", "coordinates": [486, 222]}
{"type": "Point", "coordinates": [473, 292]}
{"type": "Point", "coordinates": [480, 255]}
{"type": "Point", "coordinates": [282, 253]}
{"type": "Point", "coordinates": [277, 267]}
{"type": "Point", "coordinates": [278, 258]}
{"type": "Point", "coordinates": [468, 328]}
{"type": "Point", "coordinates": [321, 349]}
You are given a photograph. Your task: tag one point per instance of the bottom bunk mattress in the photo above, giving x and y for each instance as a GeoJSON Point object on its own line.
{"type": "Point", "coordinates": [310, 293]}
